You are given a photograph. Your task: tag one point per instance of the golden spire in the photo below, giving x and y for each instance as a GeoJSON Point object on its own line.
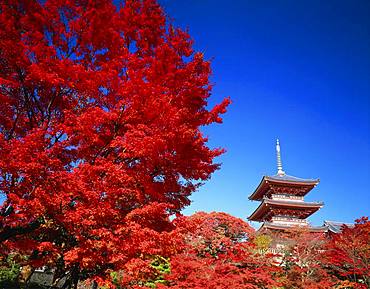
{"type": "Point", "coordinates": [280, 171]}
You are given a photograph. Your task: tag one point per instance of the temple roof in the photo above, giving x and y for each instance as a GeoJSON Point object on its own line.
{"type": "Point", "coordinates": [336, 227]}
{"type": "Point", "coordinates": [328, 226]}
{"type": "Point", "coordinates": [305, 208]}
{"type": "Point", "coordinates": [305, 185]}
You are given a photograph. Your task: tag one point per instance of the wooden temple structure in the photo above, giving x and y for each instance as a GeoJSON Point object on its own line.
{"type": "Point", "coordinates": [282, 201]}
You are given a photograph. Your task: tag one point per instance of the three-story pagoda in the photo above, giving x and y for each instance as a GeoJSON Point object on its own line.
{"type": "Point", "coordinates": [282, 200]}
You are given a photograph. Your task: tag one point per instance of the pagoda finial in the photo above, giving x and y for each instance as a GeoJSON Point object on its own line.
{"type": "Point", "coordinates": [278, 159]}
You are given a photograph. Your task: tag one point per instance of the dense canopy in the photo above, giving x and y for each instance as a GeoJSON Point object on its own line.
{"type": "Point", "coordinates": [100, 141]}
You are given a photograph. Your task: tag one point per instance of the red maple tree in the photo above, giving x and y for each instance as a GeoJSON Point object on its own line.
{"type": "Point", "coordinates": [219, 252]}
{"type": "Point", "coordinates": [100, 116]}
{"type": "Point", "coordinates": [348, 254]}
{"type": "Point", "coordinates": [301, 260]}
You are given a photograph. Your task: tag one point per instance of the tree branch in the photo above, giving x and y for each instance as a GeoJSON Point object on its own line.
{"type": "Point", "coordinates": [9, 232]}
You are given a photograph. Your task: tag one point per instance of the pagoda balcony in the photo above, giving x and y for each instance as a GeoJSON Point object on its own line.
{"type": "Point", "coordinates": [285, 197]}
{"type": "Point", "coordinates": [289, 221]}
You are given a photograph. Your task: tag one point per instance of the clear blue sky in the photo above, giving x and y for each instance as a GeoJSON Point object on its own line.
{"type": "Point", "coordinates": [296, 70]}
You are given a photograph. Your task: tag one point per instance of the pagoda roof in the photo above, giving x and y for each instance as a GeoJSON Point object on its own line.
{"type": "Point", "coordinates": [281, 227]}
{"type": "Point", "coordinates": [306, 185]}
{"type": "Point", "coordinates": [288, 178]}
{"type": "Point", "coordinates": [307, 208]}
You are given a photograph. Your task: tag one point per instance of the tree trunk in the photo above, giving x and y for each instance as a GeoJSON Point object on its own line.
{"type": "Point", "coordinates": [75, 276]}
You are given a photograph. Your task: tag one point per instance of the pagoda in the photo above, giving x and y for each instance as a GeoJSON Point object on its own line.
{"type": "Point", "coordinates": [282, 201]}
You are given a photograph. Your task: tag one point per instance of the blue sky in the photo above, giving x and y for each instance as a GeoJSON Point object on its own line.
{"type": "Point", "coordinates": [295, 70]}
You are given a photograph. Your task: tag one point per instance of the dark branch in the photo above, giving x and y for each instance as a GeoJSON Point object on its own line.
{"type": "Point", "coordinates": [9, 232]}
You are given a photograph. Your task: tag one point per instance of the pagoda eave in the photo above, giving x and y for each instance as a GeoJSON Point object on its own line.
{"type": "Point", "coordinates": [303, 186]}
{"type": "Point", "coordinates": [269, 208]}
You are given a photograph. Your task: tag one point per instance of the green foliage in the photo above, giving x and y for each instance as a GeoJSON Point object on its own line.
{"type": "Point", "coordinates": [115, 277]}
{"type": "Point", "coordinates": [9, 269]}
{"type": "Point", "coordinates": [161, 267]}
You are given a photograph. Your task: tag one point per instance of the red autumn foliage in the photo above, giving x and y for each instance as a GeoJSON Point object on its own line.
{"type": "Point", "coordinates": [100, 142]}
{"type": "Point", "coordinates": [348, 254]}
{"type": "Point", "coordinates": [219, 253]}
{"type": "Point", "coordinates": [302, 260]}
{"type": "Point", "coordinates": [100, 116]}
